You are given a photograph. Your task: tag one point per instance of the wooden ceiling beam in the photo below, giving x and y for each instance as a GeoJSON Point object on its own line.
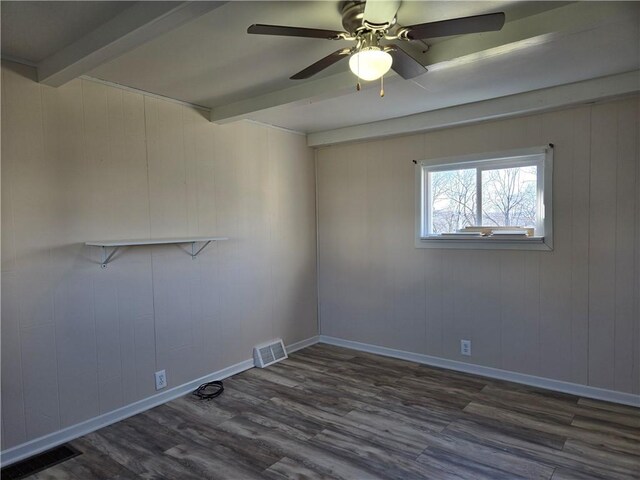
{"type": "Point", "coordinates": [131, 28]}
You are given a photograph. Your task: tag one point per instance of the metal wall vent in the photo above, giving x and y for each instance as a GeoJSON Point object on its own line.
{"type": "Point", "coordinates": [268, 353]}
{"type": "Point", "coordinates": [39, 462]}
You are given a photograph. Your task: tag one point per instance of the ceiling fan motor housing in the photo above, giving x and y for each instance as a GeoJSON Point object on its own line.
{"type": "Point", "coordinates": [353, 20]}
{"type": "Point", "coordinates": [352, 12]}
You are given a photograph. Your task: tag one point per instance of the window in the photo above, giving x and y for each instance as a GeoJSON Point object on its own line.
{"type": "Point", "coordinates": [495, 200]}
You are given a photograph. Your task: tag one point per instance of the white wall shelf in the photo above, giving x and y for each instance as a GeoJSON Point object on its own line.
{"type": "Point", "coordinates": [117, 244]}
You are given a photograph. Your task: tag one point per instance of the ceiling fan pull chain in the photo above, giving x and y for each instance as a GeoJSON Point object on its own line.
{"type": "Point", "coordinates": [358, 87]}
{"type": "Point", "coordinates": [382, 86]}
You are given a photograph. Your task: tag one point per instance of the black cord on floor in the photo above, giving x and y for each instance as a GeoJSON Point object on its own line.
{"type": "Point", "coordinates": [209, 390]}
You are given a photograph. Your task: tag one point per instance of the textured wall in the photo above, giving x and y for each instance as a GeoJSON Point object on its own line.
{"type": "Point", "coordinates": [90, 162]}
{"type": "Point", "coordinates": [572, 314]}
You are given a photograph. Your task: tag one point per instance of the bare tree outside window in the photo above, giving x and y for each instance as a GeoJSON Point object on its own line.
{"type": "Point", "coordinates": [454, 197]}
{"type": "Point", "coordinates": [509, 197]}
{"type": "Point", "coordinates": [492, 200]}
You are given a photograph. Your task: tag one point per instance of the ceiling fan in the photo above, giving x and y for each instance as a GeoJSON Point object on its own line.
{"type": "Point", "coordinates": [372, 25]}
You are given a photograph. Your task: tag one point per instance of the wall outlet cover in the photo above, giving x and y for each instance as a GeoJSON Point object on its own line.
{"type": "Point", "coordinates": [161, 380]}
{"type": "Point", "coordinates": [465, 347]}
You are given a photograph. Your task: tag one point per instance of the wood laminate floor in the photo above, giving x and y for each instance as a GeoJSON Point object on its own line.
{"type": "Point", "coordinates": [331, 413]}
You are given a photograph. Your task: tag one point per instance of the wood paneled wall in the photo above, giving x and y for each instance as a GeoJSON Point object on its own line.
{"type": "Point", "coordinates": [88, 162]}
{"type": "Point", "coordinates": [572, 314]}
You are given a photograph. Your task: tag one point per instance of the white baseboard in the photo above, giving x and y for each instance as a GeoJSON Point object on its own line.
{"type": "Point", "coordinates": [532, 380]}
{"type": "Point", "coordinates": [51, 440]}
{"type": "Point", "coordinates": [32, 447]}
{"type": "Point", "coordinates": [303, 344]}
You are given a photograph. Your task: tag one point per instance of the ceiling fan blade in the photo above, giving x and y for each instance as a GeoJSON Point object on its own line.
{"type": "Point", "coordinates": [404, 64]}
{"type": "Point", "coordinates": [380, 12]}
{"type": "Point", "coordinates": [260, 29]}
{"type": "Point", "coordinates": [456, 26]}
{"type": "Point", "coordinates": [322, 64]}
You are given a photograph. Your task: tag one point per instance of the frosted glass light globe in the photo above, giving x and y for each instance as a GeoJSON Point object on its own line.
{"type": "Point", "coordinates": [370, 63]}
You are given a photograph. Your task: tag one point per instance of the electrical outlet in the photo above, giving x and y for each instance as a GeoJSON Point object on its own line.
{"type": "Point", "coordinates": [161, 379]}
{"type": "Point", "coordinates": [465, 347]}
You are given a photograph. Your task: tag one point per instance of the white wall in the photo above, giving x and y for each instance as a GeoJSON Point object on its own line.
{"type": "Point", "coordinates": [571, 315]}
{"type": "Point", "coordinates": [89, 162]}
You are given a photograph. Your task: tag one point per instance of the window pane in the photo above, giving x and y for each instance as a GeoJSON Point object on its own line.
{"type": "Point", "coordinates": [453, 200]}
{"type": "Point", "coordinates": [509, 197]}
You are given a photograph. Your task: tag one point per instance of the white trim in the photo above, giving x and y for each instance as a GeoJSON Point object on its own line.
{"type": "Point", "coordinates": [294, 347]}
{"type": "Point", "coordinates": [297, 94]}
{"type": "Point", "coordinates": [547, 196]}
{"type": "Point", "coordinates": [532, 380]}
{"type": "Point", "coordinates": [143, 92]}
{"type": "Point", "coordinates": [477, 159]}
{"type": "Point", "coordinates": [46, 442]}
{"type": "Point", "coordinates": [21, 61]}
{"type": "Point", "coordinates": [541, 157]}
{"type": "Point", "coordinates": [37, 445]}
{"type": "Point", "coordinates": [538, 243]}
{"type": "Point", "coordinates": [317, 212]}
{"type": "Point", "coordinates": [526, 103]}
{"type": "Point", "coordinates": [181, 102]}
{"type": "Point", "coordinates": [275, 127]}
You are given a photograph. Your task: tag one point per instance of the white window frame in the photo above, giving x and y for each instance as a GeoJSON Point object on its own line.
{"type": "Point", "coordinates": [541, 157]}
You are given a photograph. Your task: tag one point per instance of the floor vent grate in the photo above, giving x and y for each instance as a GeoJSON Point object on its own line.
{"type": "Point", "coordinates": [268, 353]}
{"type": "Point", "coordinates": [39, 462]}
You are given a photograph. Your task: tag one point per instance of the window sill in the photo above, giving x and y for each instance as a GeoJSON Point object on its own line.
{"type": "Point", "coordinates": [485, 243]}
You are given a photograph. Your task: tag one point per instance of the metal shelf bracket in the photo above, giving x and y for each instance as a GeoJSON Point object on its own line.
{"type": "Point", "coordinates": [105, 257]}
{"type": "Point", "coordinates": [195, 253]}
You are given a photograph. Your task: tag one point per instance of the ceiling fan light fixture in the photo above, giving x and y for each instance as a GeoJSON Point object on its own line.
{"type": "Point", "coordinates": [370, 63]}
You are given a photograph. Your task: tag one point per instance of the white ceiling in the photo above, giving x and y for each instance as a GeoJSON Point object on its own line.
{"type": "Point", "coordinates": [212, 61]}
{"type": "Point", "coordinates": [32, 31]}
{"type": "Point", "coordinates": [555, 60]}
